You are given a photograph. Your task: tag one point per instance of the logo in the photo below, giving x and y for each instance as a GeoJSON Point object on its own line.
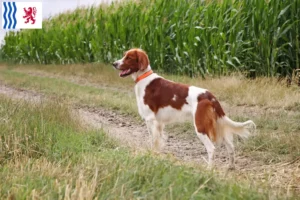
{"type": "Point", "coordinates": [30, 14]}
{"type": "Point", "coordinates": [21, 15]}
{"type": "Point", "coordinates": [9, 15]}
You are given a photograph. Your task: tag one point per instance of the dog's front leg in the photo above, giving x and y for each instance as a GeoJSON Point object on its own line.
{"type": "Point", "coordinates": [155, 129]}
{"type": "Point", "coordinates": [149, 124]}
{"type": "Point", "coordinates": [149, 128]}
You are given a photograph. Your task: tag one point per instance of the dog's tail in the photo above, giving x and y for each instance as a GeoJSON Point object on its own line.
{"type": "Point", "coordinates": [242, 129]}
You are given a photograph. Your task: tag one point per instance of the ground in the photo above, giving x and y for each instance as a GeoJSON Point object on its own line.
{"type": "Point", "coordinates": [270, 157]}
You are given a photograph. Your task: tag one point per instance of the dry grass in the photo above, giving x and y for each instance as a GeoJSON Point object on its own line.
{"type": "Point", "coordinates": [45, 155]}
{"type": "Point", "coordinates": [235, 90]}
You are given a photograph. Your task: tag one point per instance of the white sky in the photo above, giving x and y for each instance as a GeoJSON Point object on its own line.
{"type": "Point", "coordinates": [53, 7]}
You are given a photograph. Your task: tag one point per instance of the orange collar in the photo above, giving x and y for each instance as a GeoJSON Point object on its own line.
{"type": "Point", "coordinates": [141, 77]}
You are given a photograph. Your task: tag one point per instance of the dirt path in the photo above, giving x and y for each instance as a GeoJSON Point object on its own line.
{"type": "Point", "coordinates": [128, 131]}
{"type": "Point", "coordinates": [183, 147]}
{"type": "Point", "coordinates": [123, 128]}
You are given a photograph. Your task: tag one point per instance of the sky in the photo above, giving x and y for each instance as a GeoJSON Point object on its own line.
{"type": "Point", "coordinates": [53, 7]}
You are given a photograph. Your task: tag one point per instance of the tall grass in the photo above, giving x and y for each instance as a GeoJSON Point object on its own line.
{"type": "Point", "coordinates": [190, 37]}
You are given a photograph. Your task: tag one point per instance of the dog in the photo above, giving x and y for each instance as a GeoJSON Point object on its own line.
{"type": "Point", "coordinates": [161, 101]}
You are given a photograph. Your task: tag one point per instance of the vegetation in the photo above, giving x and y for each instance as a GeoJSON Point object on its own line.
{"type": "Point", "coordinates": [276, 113]}
{"type": "Point", "coordinates": [46, 154]}
{"type": "Point", "coordinates": [185, 37]}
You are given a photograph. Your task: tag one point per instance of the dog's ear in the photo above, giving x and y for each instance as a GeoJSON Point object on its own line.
{"type": "Point", "coordinates": [143, 60]}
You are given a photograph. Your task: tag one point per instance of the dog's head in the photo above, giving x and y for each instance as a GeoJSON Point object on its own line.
{"type": "Point", "coordinates": [134, 60]}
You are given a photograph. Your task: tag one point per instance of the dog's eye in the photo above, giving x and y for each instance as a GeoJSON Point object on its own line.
{"type": "Point", "coordinates": [127, 58]}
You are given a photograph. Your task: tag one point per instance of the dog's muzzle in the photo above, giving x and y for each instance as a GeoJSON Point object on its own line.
{"type": "Point", "coordinates": [115, 64]}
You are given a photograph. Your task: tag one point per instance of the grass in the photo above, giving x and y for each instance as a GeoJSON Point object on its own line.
{"type": "Point", "coordinates": [268, 102]}
{"type": "Point", "coordinates": [235, 90]}
{"type": "Point", "coordinates": [46, 154]}
{"type": "Point", "coordinates": [65, 89]}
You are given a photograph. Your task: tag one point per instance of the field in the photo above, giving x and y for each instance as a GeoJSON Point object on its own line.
{"type": "Point", "coordinates": [70, 129]}
{"type": "Point", "coordinates": [191, 37]}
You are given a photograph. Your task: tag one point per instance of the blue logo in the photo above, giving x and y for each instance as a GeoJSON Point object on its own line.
{"type": "Point", "coordinates": [9, 15]}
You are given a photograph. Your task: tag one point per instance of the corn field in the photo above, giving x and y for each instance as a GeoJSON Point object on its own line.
{"type": "Point", "coordinates": [189, 37]}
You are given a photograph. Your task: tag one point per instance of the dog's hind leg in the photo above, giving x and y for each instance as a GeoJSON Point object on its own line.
{"type": "Point", "coordinates": [205, 125]}
{"type": "Point", "coordinates": [228, 141]}
{"type": "Point", "coordinates": [210, 148]}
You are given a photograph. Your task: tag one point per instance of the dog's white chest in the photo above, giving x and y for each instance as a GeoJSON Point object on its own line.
{"type": "Point", "coordinates": [144, 110]}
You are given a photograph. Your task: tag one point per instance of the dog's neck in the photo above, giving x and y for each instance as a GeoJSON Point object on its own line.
{"type": "Point", "coordinates": [139, 73]}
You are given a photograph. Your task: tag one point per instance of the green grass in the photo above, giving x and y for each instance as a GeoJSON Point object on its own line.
{"type": "Point", "coordinates": [181, 37]}
{"type": "Point", "coordinates": [235, 90]}
{"type": "Point", "coordinates": [272, 113]}
{"type": "Point", "coordinates": [72, 91]}
{"type": "Point", "coordinates": [46, 154]}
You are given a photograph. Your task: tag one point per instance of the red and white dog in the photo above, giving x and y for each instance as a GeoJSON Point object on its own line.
{"type": "Point", "coordinates": [161, 101]}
